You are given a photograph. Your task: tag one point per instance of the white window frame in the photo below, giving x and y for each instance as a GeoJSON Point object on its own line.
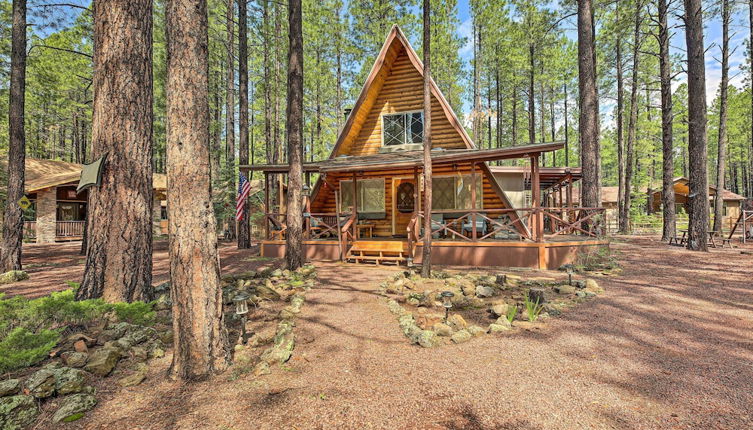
{"type": "Point", "coordinates": [404, 113]}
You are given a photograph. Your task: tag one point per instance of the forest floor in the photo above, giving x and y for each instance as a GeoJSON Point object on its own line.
{"type": "Point", "coordinates": [668, 345]}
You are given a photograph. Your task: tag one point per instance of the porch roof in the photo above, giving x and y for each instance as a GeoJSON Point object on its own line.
{"type": "Point", "coordinates": [408, 159]}
{"type": "Point", "coordinates": [549, 177]}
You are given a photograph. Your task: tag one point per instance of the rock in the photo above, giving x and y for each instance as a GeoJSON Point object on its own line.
{"type": "Point", "coordinates": [163, 303]}
{"type": "Point", "coordinates": [17, 412]}
{"type": "Point", "coordinates": [166, 337]}
{"type": "Point", "coordinates": [262, 369]}
{"type": "Point", "coordinates": [69, 381]}
{"type": "Point", "coordinates": [80, 346]}
{"type": "Point", "coordinates": [10, 387]}
{"type": "Point", "coordinates": [103, 360]}
{"type": "Point", "coordinates": [74, 407]}
{"type": "Point", "coordinates": [282, 350]}
{"type": "Point", "coordinates": [113, 332]}
{"type": "Point", "coordinates": [593, 287]}
{"type": "Point", "coordinates": [261, 338]}
{"type": "Point", "coordinates": [75, 337]}
{"type": "Point", "coordinates": [139, 353]}
{"type": "Point", "coordinates": [537, 294]}
{"type": "Point", "coordinates": [13, 276]}
{"type": "Point", "coordinates": [499, 309]}
{"type": "Point", "coordinates": [503, 321]}
{"type": "Point", "coordinates": [427, 298]}
{"type": "Point", "coordinates": [496, 328]}
{"type": "Point", "coordinates": [580, 294]}
{"type": "Point", "coordinates": [156, 352]}
{"type": "Point", "coordinates": [41, 384]}
{"type": "Point", "coordinates": [483, 291]}
{"type": "Point", "coordinates": [461, 336]}
{"type": "Point", "coordinates": [476, 331]}
{"type": "Point", "coordinates": [266, 292]}
{"type": "Point", "coordinates": [442, 329]}
{"type": "Point", "coordinates": [467, 287]}
{"type": "Point", "coordinates": [456, 322]}
{"type": "Point", "coordinates": [134, 378]}
{"type": "Point", "coordinates": [564, 289]}
{"type": "Point", "coordinates": [276, 273]}
{"type": "Point", "coordinates": [427, 339]}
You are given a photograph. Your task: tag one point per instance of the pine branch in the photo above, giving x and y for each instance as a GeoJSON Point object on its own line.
{"type": "Point", "coordinates": [61, 49]}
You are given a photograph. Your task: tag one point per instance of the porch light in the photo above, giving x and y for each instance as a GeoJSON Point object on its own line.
{"type": "Point", "coordinates": [241, 303]}
{"type": "Point", "coordinates": [447, 302]}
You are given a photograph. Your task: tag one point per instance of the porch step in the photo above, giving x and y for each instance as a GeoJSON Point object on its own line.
{"type": "Point", "coordinates": [378, 252]}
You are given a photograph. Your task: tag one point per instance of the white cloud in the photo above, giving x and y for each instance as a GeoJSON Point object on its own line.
{"type": "Point", "coordinates": [466, 30]}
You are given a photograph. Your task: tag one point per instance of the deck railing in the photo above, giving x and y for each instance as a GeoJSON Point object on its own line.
{"type": "Point", "coordinates": [69, 228]}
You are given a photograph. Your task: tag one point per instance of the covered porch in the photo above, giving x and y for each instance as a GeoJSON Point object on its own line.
{"type": "Point", "coordinates": [369, 208]}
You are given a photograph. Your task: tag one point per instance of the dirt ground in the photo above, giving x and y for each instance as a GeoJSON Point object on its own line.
{"type": "Point", "coordinates": [50, 266]}
{"type": "Point", "coordinates": [668, 345]}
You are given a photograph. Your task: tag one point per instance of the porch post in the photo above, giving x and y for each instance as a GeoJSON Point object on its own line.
{"type": "Point", "coordinates": [355, 207]}
{"type": "Point", "coordinates": [536, 199]}
{"type": "Point", "coordinates": [266, 205]}
{"type": "Point", "coordinates": [47, 215]}
{"type": "Point", "coordinates": [473, 200]}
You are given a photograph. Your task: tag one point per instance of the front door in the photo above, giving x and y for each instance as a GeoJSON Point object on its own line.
{"type": "Point", "coordinates": [403, 205]}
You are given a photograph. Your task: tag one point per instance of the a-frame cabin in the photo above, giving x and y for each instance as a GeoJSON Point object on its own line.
{"type": "Point", "coordinates": [365, 205]}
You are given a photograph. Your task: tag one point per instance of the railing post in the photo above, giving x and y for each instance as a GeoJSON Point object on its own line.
{"type": "Point", "coordinates": [266, 205]}
{"type": "Point", "coordinates": [536, 199]}
{"type": "Point", "coordinates": [473, 201]}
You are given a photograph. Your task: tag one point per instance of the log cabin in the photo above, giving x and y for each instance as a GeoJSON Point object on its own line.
{"type": "Point", "coordinates": [366, 202]}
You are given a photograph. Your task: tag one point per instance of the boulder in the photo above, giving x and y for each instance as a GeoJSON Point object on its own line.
{"type": "Point", "coordinates": [80, 346]}
{"type": "Point", "coordinates": [276, 273]}
{"type": "Point", "coordinates": [139, 353]}
{"type": "Point", "coordinates": [456, 322]}
{"type": "Point", "coordinates": [467, 287]}
{"type": "Point", "coordinates": [267, 292]}
{"type": "Point", "coordinates": [41, 384]}
{"type": "Point", "coordinates": [499, 309]}
{"type": "Point", "coordinates": [495, 328]}
{"type": "Point", "coordinates": [103, 360]}
{"type": "Point", "coordinates": [476, 331]}
{"type": "Point", "coordinates": [17, 412]}
{"type": "Point", "coordinates": [503, 321]}
{"type": "Point", "coordinates": [395, 308]}
{"type": "Point", "coordinates": [69, 381]}
{"type": "Point", "coordinates": [134, 378]}
{"type": "Point", "coordinates": [74, 407]}
{"type": "Point", "coordinates": [461, 336]}
{"type": "Point", "coordinates": [426, 339]}
{"type": "Point", "coordinates": [483, 291]}
{"type": "Point", "coordinates": [113, 332]}
{"type": "Point", "coordinates": [593, 287]}
{"type": "Point", "coordinates": [564, 289]}
{"type": "Point", "coordinates": [262, 369]}
{"type": "Point", "coordinates": [10, 387]}
{"type": "Point", "coordinates": [442, 329]}
{"type": "Point", "coordinates": [13, 276]}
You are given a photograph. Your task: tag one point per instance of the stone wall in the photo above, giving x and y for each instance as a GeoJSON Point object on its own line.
{"type": "Point", "coordinates": [46, 215]}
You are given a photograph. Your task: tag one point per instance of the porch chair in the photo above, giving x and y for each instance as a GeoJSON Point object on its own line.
{"type": "Point", "coordinates": [437, 221]}
{"type": "Point", "coordinates": [480, 226]}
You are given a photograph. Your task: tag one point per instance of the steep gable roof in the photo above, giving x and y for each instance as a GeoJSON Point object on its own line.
{"type": "Point", "coordinates": [395, 44]}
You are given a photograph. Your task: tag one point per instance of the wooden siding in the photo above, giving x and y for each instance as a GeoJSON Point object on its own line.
{"type": "Point", "coordinates": [401, 90]}
{"type": "Point", "coordinates": [324, 201]}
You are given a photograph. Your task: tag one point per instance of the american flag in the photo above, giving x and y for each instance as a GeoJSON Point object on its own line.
{"type": "Point", "coordinates": [244, 187]}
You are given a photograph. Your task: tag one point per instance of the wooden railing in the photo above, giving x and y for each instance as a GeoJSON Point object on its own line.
{"type": "Point", "coordinates": [30, 229]}
{"type": "Point", "coordinates": [471, 225]}
{"type": "Point", "coordinates": [69, 228]}
{"type": "Point", "coordinates": [583, 221]}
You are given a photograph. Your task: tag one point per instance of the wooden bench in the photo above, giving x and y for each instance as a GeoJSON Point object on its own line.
{"type": "Point", "coordinates": [378, 252]}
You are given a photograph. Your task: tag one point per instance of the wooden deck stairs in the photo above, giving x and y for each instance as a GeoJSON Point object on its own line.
{"type": "Point", "coordinates": [378, 252]}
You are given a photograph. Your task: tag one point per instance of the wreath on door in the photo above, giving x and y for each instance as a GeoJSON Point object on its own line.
{"type": "Point", "coordinates": [405, 198]}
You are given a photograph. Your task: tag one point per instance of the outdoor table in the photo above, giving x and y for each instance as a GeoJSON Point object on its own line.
{"type": "Point", "coordinates": [365, 227]}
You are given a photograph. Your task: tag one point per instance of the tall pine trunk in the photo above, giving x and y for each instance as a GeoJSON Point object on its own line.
{"type": "Point", "coordinates": [230, 110]}
{"type": "Point", "coordinates": [199, 335]}
{"type": "Point", "coordinates": [119, 228]}
{"type": "Point", "coordinates": [13, 223]}
{"type": "Point", "coordinates": [294, 234]}
{"type": "Point", "coordinates": [620, 119]}
{"type": "Point", "coordinates": [721, 157]}
{"type": "Point", "coordinates": [697, 152]}
{"type": "Point", "coordinates": [531, 95]}
{"type": "Point", "coordinates": [589, 124]}
{"type": "Point", "coordinates": [632, 124]}
{"type": "Point", "coordinates": [426, 253]}
{"type": "Point", "coordinates": [668, 162]}
{"type": "Point", "coordinates": [244, 232]}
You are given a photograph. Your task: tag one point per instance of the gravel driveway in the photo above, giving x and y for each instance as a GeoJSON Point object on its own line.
{"type": "Point", "coordinates": [667, 346]}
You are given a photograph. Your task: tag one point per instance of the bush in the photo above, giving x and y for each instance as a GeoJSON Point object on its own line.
{"type": "Point", "coordinates": [139, 313]}
{"type": "Point", "coordinates": [22, 348]}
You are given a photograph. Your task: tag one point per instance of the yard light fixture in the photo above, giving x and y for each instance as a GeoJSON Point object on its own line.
{"type": "Point", "coordinates": [241, 308]}
{"type": "Point", "coordinates": [447, 302]}
{"type": "Point", "coordinates": [306, 190]}
{"type": "Point", "coordinates": [570, 270]}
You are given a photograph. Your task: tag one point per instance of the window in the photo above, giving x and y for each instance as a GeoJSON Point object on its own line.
{"type": "Point", "coordinates": [403, 129]}
{"type": "Point", "coordinates": [163, 213]}
{"type": "Point", "coordinates": [454, 192]}
{"type": "Point", "coordinates": [71, 211]}
{"type": "Point", "coordinates": [370, 195]}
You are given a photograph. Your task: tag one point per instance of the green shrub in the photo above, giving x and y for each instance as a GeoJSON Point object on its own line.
{"type": "Point", "coordinates": [22, 348]}
{"type": "Point", "coordinates": [533, 308]}
{"type": "Point", "coordinates": [135, 313]}
{"type": "Point", "coordinates": [511, 312]}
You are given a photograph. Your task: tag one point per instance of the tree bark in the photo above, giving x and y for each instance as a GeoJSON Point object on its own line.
{"type": "Point", "coordinates": [531, 96]}
{"type": "Point", "coordinates": [721, 157]}
{"type": "Point", "coordinates": [632, 124]}
{"type": "Point", "coordinates": [426, 253]}
{"type": "Point", "coordinates": [697, 153]}
{"type": "Point", "coordinates": [294, 234]}
{"type": "Point", "coordinates": [13, 222]}
{"type": "Point", "coordinates": [230, 109]}
{"type": "Point", "coordinates": [668, 162]}
{"type": "Point", "coordinates": [244, 229]}
{"type": "Point", "coordinates": [199, 334]}
{"type": "Point", "coordinates": [589, 124]}
{"type": "Point", "coordinates": [119, 231]}
{"type": "Point", "coordinates": [620, 120]}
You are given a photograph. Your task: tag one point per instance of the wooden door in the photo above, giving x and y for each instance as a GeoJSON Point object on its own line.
{"type": "Point", "coordinates": [403, 202]}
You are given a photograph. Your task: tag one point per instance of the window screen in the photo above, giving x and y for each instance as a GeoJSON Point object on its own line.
{"type": "Point", "coordinates": [403, 128]}
{"type": "Point", "coordinates": [370, 195]}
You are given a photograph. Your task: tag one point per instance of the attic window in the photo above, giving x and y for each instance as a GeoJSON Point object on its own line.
{"type": "Point", "coordinates": [403, 129]}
